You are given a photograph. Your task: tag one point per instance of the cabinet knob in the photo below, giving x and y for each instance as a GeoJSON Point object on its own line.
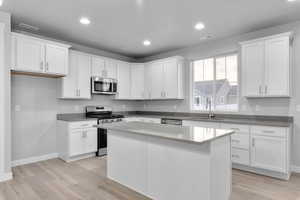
{"type": "Point", "coordinates": [47, 66]}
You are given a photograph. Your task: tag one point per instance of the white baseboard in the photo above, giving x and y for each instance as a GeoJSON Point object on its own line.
{"type": "Point", "coordinates": [295, 169]}
{"type": "Point", "coordinates": [6, 176]}
{"type": "Point", "coordinates": [33, 159]}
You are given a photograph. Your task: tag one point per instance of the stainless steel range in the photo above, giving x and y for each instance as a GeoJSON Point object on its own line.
{"type": "Point", "coordinates": [104, 115]}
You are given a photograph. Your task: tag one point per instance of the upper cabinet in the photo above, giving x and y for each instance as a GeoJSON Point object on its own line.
{"type": "Point", "coordinates": [266, 66]}
{"type": "Point", "coordinates": [124, 81]}
{"type": "Point", "coordinates": [137, 84]}
{"type": "Point", "coordinates": [164, 79]}
{"type": "Point", "coordinates": [32, 55]}
{"type": "Point", "coordinates": [77, 84]}
{"type": "Point", "coordinates": [104, 67]}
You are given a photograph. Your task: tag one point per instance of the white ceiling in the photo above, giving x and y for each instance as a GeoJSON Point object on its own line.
{"type": "Point", "coordinates": [121, 25]}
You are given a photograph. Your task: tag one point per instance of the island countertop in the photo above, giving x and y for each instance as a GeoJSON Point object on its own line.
{"type": "Point", "coordinates": [193, 134]}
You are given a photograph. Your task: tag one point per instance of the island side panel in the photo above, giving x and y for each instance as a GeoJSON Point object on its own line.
{"type": "Point", "coordinates": [178, 170]}
{"type": "Point", "coordinates": [127, 160]}
{"type": "Point", "coordinates": [221, 169]}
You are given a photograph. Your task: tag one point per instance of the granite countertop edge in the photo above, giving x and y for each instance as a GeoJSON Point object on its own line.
{"type": "Point", "coordinates": [262, 120]}
{"type": "Point", "coordinates": [161, 134]}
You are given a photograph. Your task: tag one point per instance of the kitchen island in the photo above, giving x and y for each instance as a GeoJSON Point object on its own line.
{"type": "Point", "coordinates": [166, 162]}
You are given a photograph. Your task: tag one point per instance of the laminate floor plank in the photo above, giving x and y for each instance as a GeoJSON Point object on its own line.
{"type": "Point", "coordinates": [86, 180]}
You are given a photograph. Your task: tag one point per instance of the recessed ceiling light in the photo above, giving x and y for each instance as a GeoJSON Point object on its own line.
{"type": "Point", "coordinates": [291, 0]}
{"type": "Point", "coordinates": [1, 2]}
{"type": "Point", "coordinates": [85, 20]}
{"type": "Point", "coordinates": [147, 43]}
{"type": "Point", "coordinates": [199, 26]}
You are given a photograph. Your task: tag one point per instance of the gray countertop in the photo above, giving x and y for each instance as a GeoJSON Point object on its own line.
{"type": "Point", "coordinates": [193, 134]}
{"type": "Point", "coordinates": [280, 121]}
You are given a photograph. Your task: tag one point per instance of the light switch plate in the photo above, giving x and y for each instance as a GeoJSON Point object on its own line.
{"type": "Point", "coordinates": [298, 108]}
{"type": "Point", "coordinates": [17, 108]}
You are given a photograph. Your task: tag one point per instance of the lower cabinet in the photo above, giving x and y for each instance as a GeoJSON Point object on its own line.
{"type": "Point", "coordinates": [76, 140]}
{"type": "Point", "coordinates": [259, 149]}
{"type": "Point", "coordinates": [268, 151]}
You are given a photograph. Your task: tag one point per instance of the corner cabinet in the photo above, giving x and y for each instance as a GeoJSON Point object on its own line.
{"type": "Point", "coordinates": [266, 66]}
{"type": "Point", "coordinates": [164, 79]}
{"type": "Point", "coordinates": [77, 84]}
{"type": "Point", "coordinates": [32, 55]}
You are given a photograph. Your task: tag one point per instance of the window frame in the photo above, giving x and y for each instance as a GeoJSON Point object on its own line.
{"type": "Point", "coordinates": [191, 83]}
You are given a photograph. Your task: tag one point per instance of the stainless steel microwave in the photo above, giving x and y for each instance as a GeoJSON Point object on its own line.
{"type": "Point", "coordinates": [102, 85]}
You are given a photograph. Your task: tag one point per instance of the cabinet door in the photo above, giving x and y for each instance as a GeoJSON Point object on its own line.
{"type": "Point", "coordinates": [98, 66]}
{"type": "Point", "coordinates": [253, 69]}
{"type": "Point", "coordinates": [69, 83]}
{"type": "Point", "coordinates": [111, 69]}
{"type": "Point", "coordinates": [137, 81]}
{"type": "Point", "coordinates": [170, 80]}
{"type": "Point", "coordinates": [277, 67]}
{"type": "Point", "coordinates": [84, 76]}
{"type": "Point", "coordinates": [76, 143]}
{"type": "Point", "coordinates": [155, 80]}
{"type": "Point", "coordinates": [56, 60]}
{"type": "Point", "coordinates": [269, 153]}
{"type": "Point", "coordinates": [123, 81]}
{"type": "Point", "coordinates": [90, 137]}
{"type": "Point", "coordinates": [29, 55]}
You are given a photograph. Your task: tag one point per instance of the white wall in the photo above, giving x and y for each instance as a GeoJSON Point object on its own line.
{"type": "Point", "coordinates": [34, 109]}
{"type": "Point", "coordinates": [284, 106]}
{"type": "Point", "coordinates": [5, 134]}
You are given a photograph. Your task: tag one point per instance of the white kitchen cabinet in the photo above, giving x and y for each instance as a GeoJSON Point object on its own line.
{"type": "Point", "coordinates": [56, 59]}
{"type": "Point", "coordinates": [76, 140]}
{"type": "Point", "coordinates": [269, 153]}
{"type": "Point", "coordinates": [32, 55]}
{"type": "Point", "coordinates": [104, 67]}
{"type": "Point", "coordinates": [77, 84]}
{"type": "Point", "coordinates": [164, 79]}
{"type": "Point", "coordinates": [124, 81]}
{"type": "Point", "coordinates": [253, 68]}
{"type": "Point", "coordinates": [98, 66]}
{"type": "Point", "coordinates": [269, 148]}
{"type": "Point", "coordinates": [155, 80]}
{"type": "Point", "coordinates": [137, 81]}
{"type": "Point", "coordinates": [277, 70]}
{"type": "Point", "coordinates": [266, 66]}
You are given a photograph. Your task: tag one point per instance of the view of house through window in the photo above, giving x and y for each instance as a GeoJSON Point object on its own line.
{"type": "Point", "coordinates": [216, 80]}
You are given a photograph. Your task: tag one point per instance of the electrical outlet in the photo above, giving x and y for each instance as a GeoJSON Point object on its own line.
{"type": "Point", "coordinates": [17, 108]}
{"type": "Point", "coordinates": [76, 108]}
{"type": "Point", "coordinates": [298, 108]}
{"type": "Point", "coordinates": [257, 108]}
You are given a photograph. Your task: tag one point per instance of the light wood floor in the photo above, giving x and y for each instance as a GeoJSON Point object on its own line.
{"type": "Point", "coordinates": [85, 180]}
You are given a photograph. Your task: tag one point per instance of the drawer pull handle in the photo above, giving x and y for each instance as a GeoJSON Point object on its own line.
{"type": "Point", "coordinates": [84, 124]}
{"type": "Point", "coordinates": [236, 141]}
{"type": "Point", "coordinates": [266, 131]}
{"type": "Point", "coordinates": [235, 156]}
{"type": "Point", "coordinates": [253, 142]}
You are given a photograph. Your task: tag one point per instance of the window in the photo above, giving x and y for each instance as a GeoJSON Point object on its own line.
{"type": "Point", "coordinates": [215, 80]}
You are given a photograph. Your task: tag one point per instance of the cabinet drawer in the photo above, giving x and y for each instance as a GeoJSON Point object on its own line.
{"type": "Point", "coordinates": [245, 129]}
{"type": "Point", "coordinates": [240, 156]}
{"type": "Point", "coordinates": [269, 131]}
{"type": "Point", "coordinates": [239, 140]}
{"type": "Point", "coordinates": [82, 124]}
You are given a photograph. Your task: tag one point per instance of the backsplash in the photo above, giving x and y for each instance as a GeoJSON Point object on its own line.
{"type": "Point", "coordinates": [34, 109]}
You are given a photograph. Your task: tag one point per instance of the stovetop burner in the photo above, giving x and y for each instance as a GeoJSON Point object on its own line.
{"type": "Point", "coordinates": [101, 112]}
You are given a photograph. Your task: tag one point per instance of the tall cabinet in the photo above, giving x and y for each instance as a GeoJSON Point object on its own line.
{"type": "Point", "coordinates": [266, 66]}
{"type": "Point", "coordinates": [77, 84]}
